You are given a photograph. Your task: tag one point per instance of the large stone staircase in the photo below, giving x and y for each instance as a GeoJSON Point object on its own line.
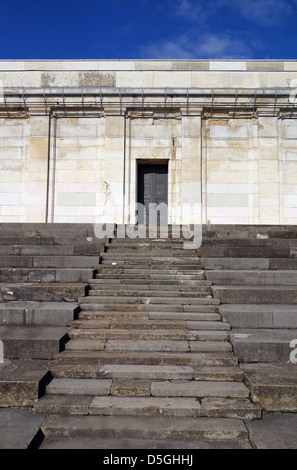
{"type": "Point", "coordinates": [140, 343]}
{"type": "Point", "coordinates": [149, 356]}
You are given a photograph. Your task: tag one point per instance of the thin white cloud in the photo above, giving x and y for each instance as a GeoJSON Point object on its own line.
{"type": "Point", "coordinates": [208, 46]}
{"type": "Point", "coordinates": [264, 12]}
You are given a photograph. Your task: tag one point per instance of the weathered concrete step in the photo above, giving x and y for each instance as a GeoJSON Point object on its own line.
{"type": "Point", "coordinates": [148, 406]}
{"type": "Point", "coordinates": [19, 429]}
{"type": "Point", "coordinates": [256, 278]}
{"type": "Point", "coordinates": [244, 263]}
{"type": "Point", "coordinates": [263, 345]}
{"type": "Point", "coordinates": [143, 283]}
{"type": "Point", "coordinates": [22, 382]}
{"type": "Point", "coordinates": [51, 247]}
{"type": "Point", "coordinates": [48, 261]}
{"type": "Point", "coordinates": [207, 325]}
{"type": "Point", "coordinates": [199, 389]}
{"type": "Point", "coordinates": [219, 373]}
{"type": "Point", "coordinates": [203, 306]}
{"type": "Point", "coordinates": [94, 315]}
{"type": "Point", "coordinates": [106, 334]}
{"type": "Point", "coordinates": [38, 313]}
{"type": "Point", "coordinates": [124, 371]}
{"type": "Point", "coordinates": [210, 335]}
{"type": "Point", "coordinates": [144, 277]}
{"type": "Point", "coordinates": [143, 251]}
{"type": "Point", "coordinates": [256, 294]}
{"type": "Point", "coordinates": [129, 325]}
{"type": "Point", "coordinates": [85, 344]}
{"type": "Point", "coordinates": [149, 371]}
{"type": "Point", "coordinates": [126, 292]}
{"type": "Point", "coordinates": [153, 273]}
{"type": "Point", "coordinates": [273, 386]}
{"type": "Point", "coordinates": [32, 342]}
{"type": "Point", "coordinates": [116, 316]}
{"type": "Point", "coordinates": [99, 300]}
{"type": "Point", "coordinates": [168, 345]}
{"type": "Point", "coordinates": [187, 316]}
{"type": "Point", "coordinates": [151, 324]}
{"type": "Point", "coordinates": [146, 358]}
{"type": "Point", "coordinates": [221, 251]}
{"type": "Point", "coordinates": [79, 387]}
{"type": "Point", "coordinates": [260, 316]}
{"type": "Point", "coordinates": [85, 443]}
{"type": "Point", "coordinates": [150, 255]}
{"type": "Point", "coordinates": [36, 250]}
{"type": "Point", "coordinates": [154, 427]}
{"type": "Point", "coordinates": [158, 264]}
{"type": "Point", "coordinates": [45, 275]}
{"type": "Point", "coordinates": [45, 292]}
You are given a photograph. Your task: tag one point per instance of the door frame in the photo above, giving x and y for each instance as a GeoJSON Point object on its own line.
{"type": "Point", "coordinates": [150, 161]}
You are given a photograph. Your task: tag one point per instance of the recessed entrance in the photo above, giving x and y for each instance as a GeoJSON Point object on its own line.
{"type": "Point", "coordinates": [152, 188]}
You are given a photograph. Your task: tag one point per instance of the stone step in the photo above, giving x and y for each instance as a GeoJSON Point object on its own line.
{"type": "Point", "coordinates": [204, 307]}
{"type": "Point", "coordinates": [151, 324]}
{"type": "Point", "coordinates": [187, 316]}
{"type": "Point", "coordinates": [157, 345]}
{"type": "Point", "coordinates": [147, 406]}
{"type": "Point", "coordinates": [79, 387]}
{"type": "Point", "coordinates": [168, 345]}
{"type": "Point", "coordinates": [43, 292]}
{"type": "Point", "coordinates": [253, 278]}
{"type": "Point", "coordinates": [142, 283]}
{"type": "Point", "coordinates": [256, 294]}
{"type": "Point", "coordinates": [135, 334]}
{"type": "Point", "coordinates": [22, 382]}
{"type": "Point", "coordinates": [36, 250]}
{"type": "Point", "coordinates": [149, 371]}
{"type": "Point", "coordinates": [158, 264]}
{"type": "Point", "coordinates": [144, 276]}
{"type": "Point", "coordinates": [260, 316]}
{"type": "Point", "coordinates": [154, 427]}
{"type": "Point", "coordinates": [116, 316]}
{"type": "Point", "coordinates": [38, 313]}
{"type": "Point", "coordinates": [262, 263]}
{"type": "Point", "coordinates": [124, 371]}
{"type": "Point", "coordinates": [48, 261]}
{"type": "Point", "coordinates": [146, 358]}
{"type": "Point", "coordinates": [126, 325]}
{"type": "Point", "coordinates": [113, 300]}
{"type": "Point", "coordinates": [152, 273]}
{"type": "Point", "coordinates": [221, 251]}
{"type": "Point", "coordinates": [45, 275]}
{"type": "Point", "coordinates": [262, 345]}
{"type": "Point", "coordinates": [51, 248]}
{"type": "Point", "coordinates": [126, 292]}
{"type": "Point", "coordinates": [151, 256]}
{"type": "Point", "coordinates": [200, 389]}
{"type": "Point", "coordinates": [273, 385]}
{"type": "Point", "coordinates": [32, 342]}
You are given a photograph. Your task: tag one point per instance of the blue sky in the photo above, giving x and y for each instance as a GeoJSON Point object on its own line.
{"type": "Point", "coordinates": [148, 29]}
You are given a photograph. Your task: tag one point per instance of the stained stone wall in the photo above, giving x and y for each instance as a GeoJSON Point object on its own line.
{"type": "Point", "coordinates": [241, 166]}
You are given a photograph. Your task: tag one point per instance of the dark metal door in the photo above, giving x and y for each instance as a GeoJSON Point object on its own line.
{"type": "Point", "coordinates": [152, 189]}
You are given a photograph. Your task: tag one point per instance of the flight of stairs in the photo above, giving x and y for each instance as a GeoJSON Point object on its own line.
{"type": "Point", "coordinates": [149, 358]}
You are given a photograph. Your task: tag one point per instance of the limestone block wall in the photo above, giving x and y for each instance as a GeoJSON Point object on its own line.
{"type": "Point", "coordinates": [23, 169]}
{"type": "Point", "coordinates": [223, 167]}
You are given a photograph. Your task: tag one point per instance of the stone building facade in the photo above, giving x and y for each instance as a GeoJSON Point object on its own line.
{"type": "Point", "coordinates": [84, 141]}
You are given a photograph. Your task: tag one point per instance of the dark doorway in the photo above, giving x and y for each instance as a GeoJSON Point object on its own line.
{"type": "Point", "coordinates": [152, 188]}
